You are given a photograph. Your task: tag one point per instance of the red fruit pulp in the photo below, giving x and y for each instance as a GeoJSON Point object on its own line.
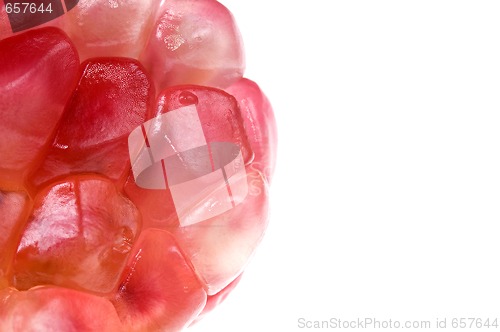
{"type": "Point", "coordinates": [194, 42]}
{"type": "Point", "coordinates": [259, 123]}
{"type": "Point", "coordinates": [128, 203]}
{"type": "Point", "coordinates": [78, 236]}
{"type": "Point", "coordinates": [113, 96]}
{"type": "Point", "coordinates": [157, 285]}
{"type": "Point", "coordinates": [33, 94]}
{"type": "Point", "coordinates": [56, 309]}
{"type": "Point", "coordinates": [14, 207]}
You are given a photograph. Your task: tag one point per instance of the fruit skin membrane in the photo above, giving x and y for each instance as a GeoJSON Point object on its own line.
{"type": "Point", "coordinates": [135, 163]}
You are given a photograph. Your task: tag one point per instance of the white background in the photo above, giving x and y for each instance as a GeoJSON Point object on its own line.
{"type": "Point", "coordinates": [386, 199]}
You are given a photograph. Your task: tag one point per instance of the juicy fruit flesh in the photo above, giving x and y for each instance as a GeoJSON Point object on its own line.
{"type": "Point", "coordinates": [55, 309]}
{"type": "Point", "coordinates": [28, 70]}
{"type": "Point", "coordinates": [78, 236]}
{"type": "Point", "coordinates": [122, 195]}
{"type": "Point", "coordinates": [187, 50]}
{"type": "Point", "coordinates": [151, 297]}
{"type": "Point", "coordinates": [113, 96]}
